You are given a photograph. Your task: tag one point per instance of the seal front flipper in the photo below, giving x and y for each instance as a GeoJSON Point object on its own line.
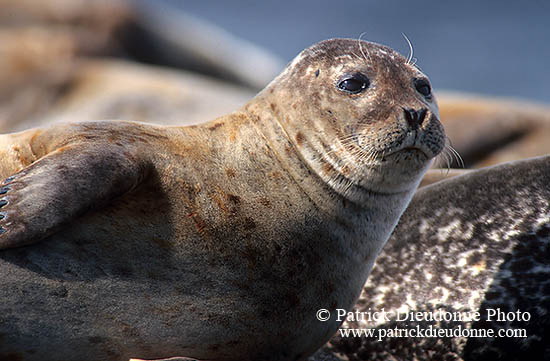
{"type": "Point", "coordinates": [63, 185]}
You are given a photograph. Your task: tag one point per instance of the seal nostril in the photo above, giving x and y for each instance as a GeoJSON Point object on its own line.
{"type": "Point", "coordinates": [421, 115]}
{"type": "Point", "coordinates": [415, 117]}
{"type": "Point", "coordinates": [409, 115]}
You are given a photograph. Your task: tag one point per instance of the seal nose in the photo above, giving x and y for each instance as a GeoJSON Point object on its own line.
{"type": "Point", "coordinates": [415, 117]}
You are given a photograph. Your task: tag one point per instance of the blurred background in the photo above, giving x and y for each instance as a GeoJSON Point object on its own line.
{"type": "Point", "coordinates": [188, 61]}
{"type": "Point", "coordinates": [497, 47]}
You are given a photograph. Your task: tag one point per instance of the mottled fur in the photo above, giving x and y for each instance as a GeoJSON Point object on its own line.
{"type": "Point", "coordinates": [475, 242]}
{"type": "Point", "coordinates": [218, 241]}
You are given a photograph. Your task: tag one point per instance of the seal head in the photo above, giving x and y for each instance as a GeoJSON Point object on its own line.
{"type": "Point", "coordinates": [355, 110]}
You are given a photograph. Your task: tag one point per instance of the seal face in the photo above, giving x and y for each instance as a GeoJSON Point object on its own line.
{"type": "Point", "coordinates": [350, 107]}
{"type": "Point", "coordinates": [189, 240]}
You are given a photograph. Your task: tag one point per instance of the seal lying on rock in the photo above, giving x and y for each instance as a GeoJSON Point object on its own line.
{"type": "Point", "coordinates": [218, 241]}
{"type": "Point", "coordinates": [473, 252]}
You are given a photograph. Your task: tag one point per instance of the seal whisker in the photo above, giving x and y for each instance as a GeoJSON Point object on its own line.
{"type": "Point", "coordinates": [348, 186]}
{"type": "Point", "coordinates": [369, 157]}
{"type": "Point", "coordinates": [453, 152]}
{"type": "Point", "coordinates": [367, 58]}
{"type": "Point", "coordinates": [347, 146]}
{"type": "Point", "coordinates": [448, 159]}
{"type": "Point", "coordinates": [457, 155]}
{"type": "Point", "coordinates": [411, 50]}
{"type": "Point", "coordinates": [352, 136]}
{"type": "Point", "coordinates": [362, 154]}
{"type": "Point", "coordinates": [443, 158]}
{"type": "Point", "coordinates": [357, 56]}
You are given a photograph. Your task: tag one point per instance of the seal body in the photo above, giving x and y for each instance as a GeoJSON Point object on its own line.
{"type": "Point", "coordinates": [218, 241]}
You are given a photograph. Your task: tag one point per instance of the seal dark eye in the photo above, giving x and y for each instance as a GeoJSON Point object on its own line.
{"type": "Point", "coordinates": [354, 84]}
{"type": "Point", "coordinates": [423, 87]}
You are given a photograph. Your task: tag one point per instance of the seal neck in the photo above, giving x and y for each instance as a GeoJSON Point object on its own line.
{"type": "Point", "coordinates": [290, 160]}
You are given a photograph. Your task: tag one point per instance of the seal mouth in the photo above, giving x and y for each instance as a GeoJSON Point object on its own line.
{"type": "Point", "coordinates": [414, 151]}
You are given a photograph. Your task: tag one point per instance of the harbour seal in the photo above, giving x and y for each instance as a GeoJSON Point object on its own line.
{"type": "Point", "coordinates": [479, 242]}
{"type": "Point", "coordinates": [217, 241]}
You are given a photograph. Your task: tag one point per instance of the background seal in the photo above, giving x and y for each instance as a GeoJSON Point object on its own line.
{"type": "Point", "coordinates": [472, 243]}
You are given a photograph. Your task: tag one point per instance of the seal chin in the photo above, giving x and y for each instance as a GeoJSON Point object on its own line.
{"type": "Point", "coordinates": [417, 147]}
{"type": "Point", "coordinates": [411, 153]}
{"type": "Point", "coordinates": [420, 153]}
